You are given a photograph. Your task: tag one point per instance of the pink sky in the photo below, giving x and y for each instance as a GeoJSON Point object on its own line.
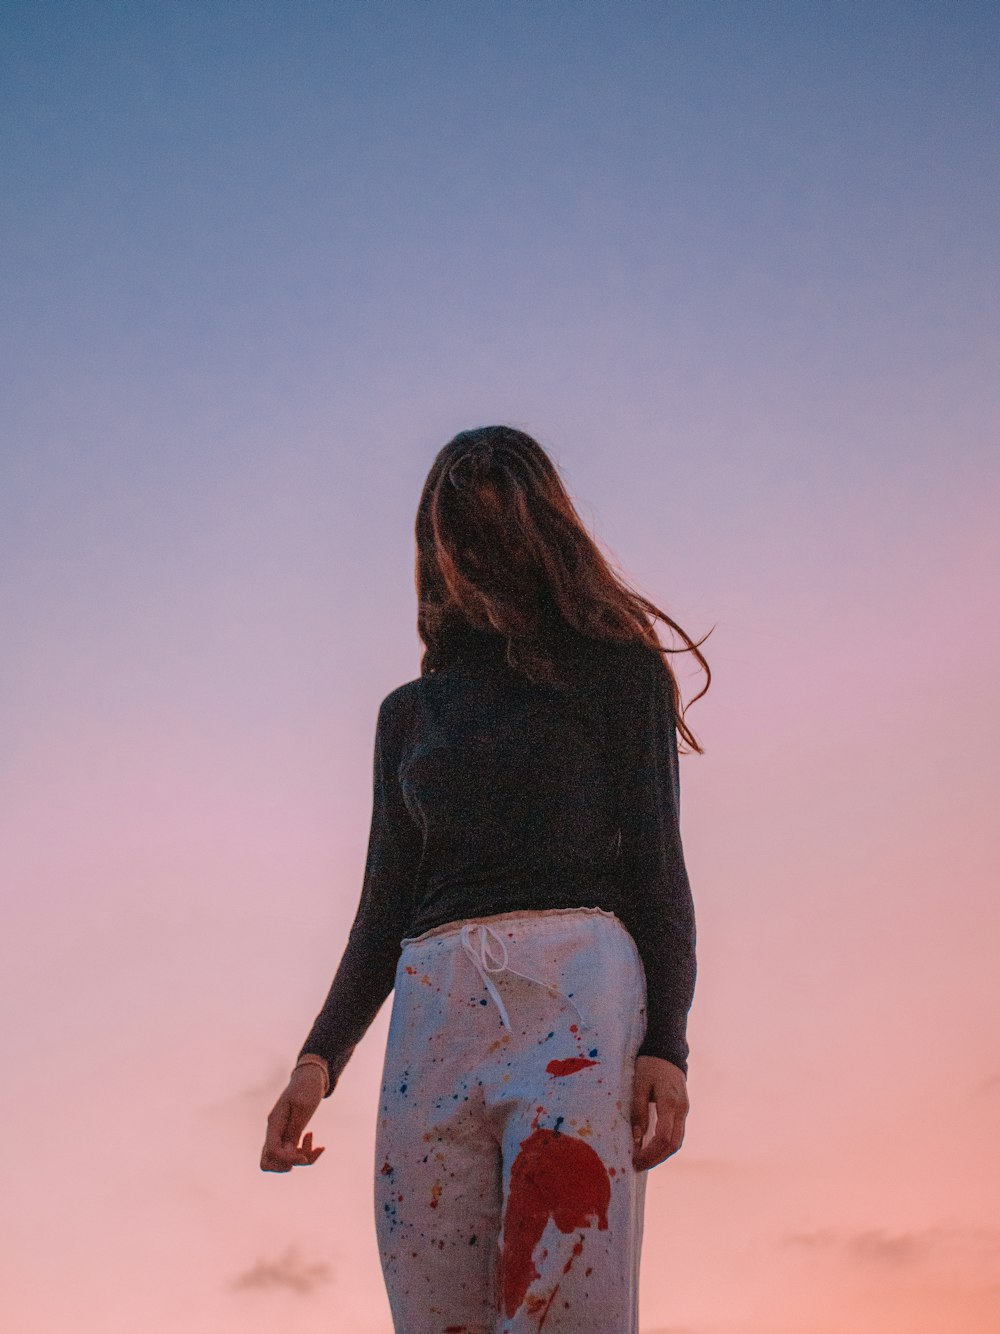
{"type": "Point", "coordinates": [753, 319]}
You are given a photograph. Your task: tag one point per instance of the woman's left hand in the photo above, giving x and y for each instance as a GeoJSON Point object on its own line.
{"type": "Point", "coordinates": [663, 1084]}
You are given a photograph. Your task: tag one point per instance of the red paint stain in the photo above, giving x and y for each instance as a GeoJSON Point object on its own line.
{"type": "Point", "coordinates": [554, 1176]}
{"type": "Point", "coordinates": [569, 1066]}
{"type": "Point", "coordinates": [409, 969]}
{"type": "Point", "coordinates": [534, 1305]}
{"type": "Point", "coordinates": [387, 1167]}
{"type": "Point", "coordinates": [577, 1250]}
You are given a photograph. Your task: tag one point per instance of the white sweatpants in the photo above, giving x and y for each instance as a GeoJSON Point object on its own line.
{"type": "Point", "coordinates": [505, 1196]}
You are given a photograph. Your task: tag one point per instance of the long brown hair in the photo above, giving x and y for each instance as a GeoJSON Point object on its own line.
{"type": "Point", "coordinates": [500, 546]}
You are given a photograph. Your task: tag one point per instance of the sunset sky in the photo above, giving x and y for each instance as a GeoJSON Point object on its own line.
{"type": "Point", "coordinates": [735, 265]}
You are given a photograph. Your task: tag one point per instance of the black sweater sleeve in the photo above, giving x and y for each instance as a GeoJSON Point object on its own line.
{"type": "Point", "coordinates": [656, 902]}
{"type": "Point", "coordinates": [367, 971]}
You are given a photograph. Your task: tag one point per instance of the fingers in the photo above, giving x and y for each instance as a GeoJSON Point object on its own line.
{"type": "Point", "coordinates": [657, 1084]}
{"type": "Point", "coordinates": [283, 1157]}
{"type": "Point", "coordinates": [642, 1092]}
{"type": "Point", "coordinates": [640, 1127]}
{"type": "Point", "coordinates": [667, 1139]}
{"type": "Point", "coordinates": [307, 1149]}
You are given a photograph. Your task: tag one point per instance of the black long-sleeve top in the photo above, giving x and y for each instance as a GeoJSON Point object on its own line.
{"type": "Point", "coordinates": [494, 794]}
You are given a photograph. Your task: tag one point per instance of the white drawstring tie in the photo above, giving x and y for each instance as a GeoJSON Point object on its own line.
{"type": "Point", "coordinates": [481, 957]}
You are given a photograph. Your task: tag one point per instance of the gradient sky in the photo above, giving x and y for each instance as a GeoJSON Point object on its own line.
{"type": "Point", "coordinates": [735, 265]}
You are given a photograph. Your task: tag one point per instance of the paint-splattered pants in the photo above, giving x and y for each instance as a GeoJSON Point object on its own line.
{"type": "Point", "coordinates": [505, 1195]}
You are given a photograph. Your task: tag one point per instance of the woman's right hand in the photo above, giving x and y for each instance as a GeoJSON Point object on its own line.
{"type": "Point", "coordinates": [662, 1085]}
{"type": "Point", "coordinates": [287, 1120]}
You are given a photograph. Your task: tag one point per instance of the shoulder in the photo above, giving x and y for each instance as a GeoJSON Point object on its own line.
{"type": "Point", "coordinates": [401, 695]}
{"type": "Point", "coordinates": [396, 718]}
{"type": "Point", "coordinates": [634, 664]}
{"type": "Point", "coordinates": [399, 702]}
{"type": "Point", "coordinates": [637, 686]}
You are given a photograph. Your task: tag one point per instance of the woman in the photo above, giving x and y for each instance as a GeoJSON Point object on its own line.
{"type": "Point", "coordinates": [526, 898]}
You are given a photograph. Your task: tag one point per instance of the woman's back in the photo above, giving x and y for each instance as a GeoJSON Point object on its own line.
{"type": "Point", "coordinates": [493, 794]}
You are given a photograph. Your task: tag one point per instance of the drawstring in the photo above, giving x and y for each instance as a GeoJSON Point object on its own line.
{"type": "Point", "coordinates": [481, 959]}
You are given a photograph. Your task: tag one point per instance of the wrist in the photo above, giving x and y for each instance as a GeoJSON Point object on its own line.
{"type": "Point", "coordinates": [314, 1059]}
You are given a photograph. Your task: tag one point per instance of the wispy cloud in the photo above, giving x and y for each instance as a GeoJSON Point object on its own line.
{"type": "Point", "coordinates": [255, 1099]}
{"type": "Point", "coordinates": [875, 1245]}
{"type": "Point", "coordinates": [881, 1247]}
{"type": "Point", "coordinates": [287, 1271]}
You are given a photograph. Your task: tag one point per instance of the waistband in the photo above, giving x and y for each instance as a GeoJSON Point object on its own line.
{"type": "Point", "coordinates": [488, 951]}
{"type": "Point", "coordinates": [516, 914]}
